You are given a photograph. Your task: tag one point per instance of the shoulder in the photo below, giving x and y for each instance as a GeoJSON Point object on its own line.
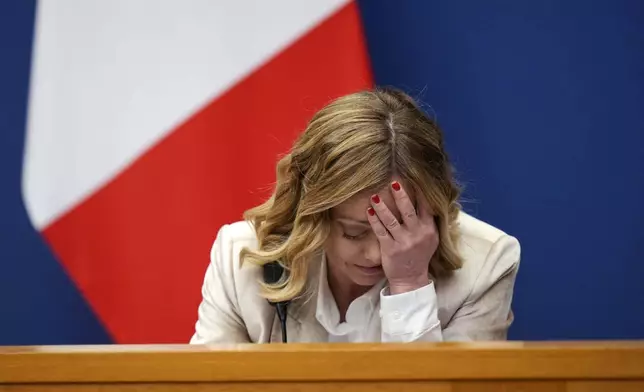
{"type": "Point", "coordinates": [229, 242]}
{"type": "Point", "coordinates": [475, 229]}
{"type": "Point", "coordinates": [489, 255]}
{"type": "Point", "coordinates": [239, 281]}
{"type": "Point", "coordinates": [237, 233]}
{"type": "Point", "coordinates": [480, 243]}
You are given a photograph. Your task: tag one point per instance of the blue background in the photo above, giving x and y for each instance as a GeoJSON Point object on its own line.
{"type": "Point", "coordinates": [542, 103]}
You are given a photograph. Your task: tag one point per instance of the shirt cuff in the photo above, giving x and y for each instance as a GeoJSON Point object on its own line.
{"type": "Point", "coordinates": [412, 313]}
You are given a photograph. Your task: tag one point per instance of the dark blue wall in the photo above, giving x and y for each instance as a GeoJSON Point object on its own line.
{"type": "Point", "coordinates": [543, 105]}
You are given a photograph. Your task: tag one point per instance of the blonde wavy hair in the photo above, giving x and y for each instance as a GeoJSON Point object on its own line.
{"type": "Point", "coordinates": [354, 144]}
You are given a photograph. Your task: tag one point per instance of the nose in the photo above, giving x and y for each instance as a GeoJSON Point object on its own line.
{"type": "Point", "coordinates": [372, 252]}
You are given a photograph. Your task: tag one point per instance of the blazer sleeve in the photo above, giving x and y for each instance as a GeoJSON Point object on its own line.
{"type": "Point", "coordinates": [219, 319]}
{"type": "Point", "coordinates": [486, 313]}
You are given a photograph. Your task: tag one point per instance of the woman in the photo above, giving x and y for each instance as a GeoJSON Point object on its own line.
{"type": "Point", "coordinates": [366, 223]}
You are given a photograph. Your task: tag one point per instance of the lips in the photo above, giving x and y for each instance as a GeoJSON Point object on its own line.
{"type": "Point", "coordinates": [370, 270]}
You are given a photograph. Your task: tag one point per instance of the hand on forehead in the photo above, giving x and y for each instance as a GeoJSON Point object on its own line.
{"type": "Point", "coordinates": [356, 207]}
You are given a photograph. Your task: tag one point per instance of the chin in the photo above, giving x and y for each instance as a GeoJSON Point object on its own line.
{"type": "Point", "coordinates": [366, 282]}
{"type": "Point", "coordinates": [362, 279]}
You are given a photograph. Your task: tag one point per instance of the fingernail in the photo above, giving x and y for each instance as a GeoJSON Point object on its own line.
{"type": "Point", "coordinates": [396, 186]}
{"type": "Point", "coordinates": [371, 211]}
{"type": "Point", "coordinates": [375, 199]}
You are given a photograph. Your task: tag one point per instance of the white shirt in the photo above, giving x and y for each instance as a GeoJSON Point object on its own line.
{"type": "Point", "coordinates": [377, 316]}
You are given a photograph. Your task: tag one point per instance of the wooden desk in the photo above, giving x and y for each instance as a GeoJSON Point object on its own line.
{"type": "Point", "coordinates": [444, 367]}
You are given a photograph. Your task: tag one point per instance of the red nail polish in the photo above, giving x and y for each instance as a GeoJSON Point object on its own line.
{"type": "Point", "coordinates": [396, 186]}
{"type": "Point", "coordinates": [371, 211]}
{"type": "Point", "coordinates": [375, 199]}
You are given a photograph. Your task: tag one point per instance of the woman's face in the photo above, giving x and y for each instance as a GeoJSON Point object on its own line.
{"type": "Point", "coordinates": [352, 248]}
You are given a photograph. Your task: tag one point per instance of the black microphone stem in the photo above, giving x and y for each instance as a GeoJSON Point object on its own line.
{"type": "Point", "coordinates": [281, 314]}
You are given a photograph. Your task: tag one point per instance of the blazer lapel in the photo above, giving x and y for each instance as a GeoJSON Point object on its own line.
{"type": "Point", "coordinates": [301, 326]}
{"type": "Point", "coordinates": [306, 325]}
{"type": "Point", "coordinates": [310, 328]}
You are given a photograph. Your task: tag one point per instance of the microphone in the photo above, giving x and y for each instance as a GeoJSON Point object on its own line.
{"type": "Point", "coordinates": [273, 272]}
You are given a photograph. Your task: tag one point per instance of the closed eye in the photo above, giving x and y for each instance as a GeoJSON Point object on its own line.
{"type": "Point", "coordinates": [354, 237]}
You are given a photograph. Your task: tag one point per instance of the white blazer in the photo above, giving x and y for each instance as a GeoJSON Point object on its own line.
{"type": "Point", "coordinates": [473, 302]}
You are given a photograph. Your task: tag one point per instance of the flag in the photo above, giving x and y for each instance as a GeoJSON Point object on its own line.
{"type": "Point", "coordinates": [151, 124]}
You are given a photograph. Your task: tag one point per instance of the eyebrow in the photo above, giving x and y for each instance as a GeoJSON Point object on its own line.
{"type": "Point", "coordinates": [353, 221]}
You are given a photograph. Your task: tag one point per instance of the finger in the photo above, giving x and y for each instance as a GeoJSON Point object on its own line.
{"type": "Point", "coordinates": [387, 218]}
{"type": "Point", "coordinates": [405, 206]}
{"type": "Point", "coordinates": [378, 228]}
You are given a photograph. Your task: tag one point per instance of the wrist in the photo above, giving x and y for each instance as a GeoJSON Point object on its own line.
{"type": "Point", "coordinates": [407, 285]}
